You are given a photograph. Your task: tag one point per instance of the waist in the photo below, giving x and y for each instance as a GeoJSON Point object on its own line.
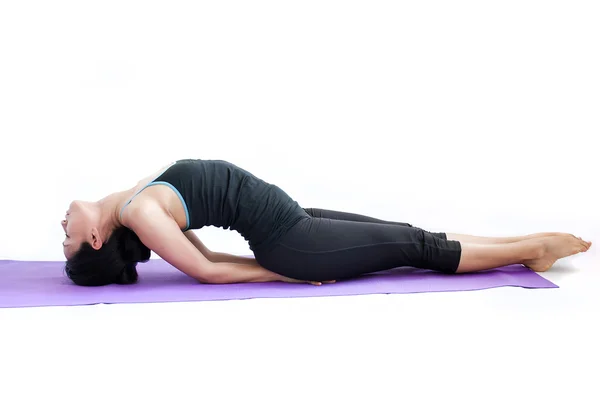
{"type": "Point", "coordinates": [267, 214]}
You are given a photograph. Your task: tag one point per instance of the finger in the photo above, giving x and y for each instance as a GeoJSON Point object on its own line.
{"type": "Point", "coordinates": [315, 282]}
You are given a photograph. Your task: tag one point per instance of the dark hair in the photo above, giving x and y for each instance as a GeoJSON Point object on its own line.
{"type": "Point", "coordinates": [113, 263]}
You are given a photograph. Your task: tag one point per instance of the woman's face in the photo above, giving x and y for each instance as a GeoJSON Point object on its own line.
{"type": "Point", "coordinates": [77, 225]}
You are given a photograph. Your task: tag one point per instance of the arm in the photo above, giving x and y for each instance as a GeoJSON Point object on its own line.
{"type": "Point", "coordinates": [217, 257]}
{"type": "Point", "coordinates": [193, 238]}
{"type": "Point", "coordinates": [159, 232]}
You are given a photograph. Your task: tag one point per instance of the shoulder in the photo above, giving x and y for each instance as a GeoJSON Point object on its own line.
{"type": "Point", "coordinates": [137, 214]}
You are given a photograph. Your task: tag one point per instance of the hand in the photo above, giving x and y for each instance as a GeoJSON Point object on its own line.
{"type": "Point", "coordinates": [292, 280]}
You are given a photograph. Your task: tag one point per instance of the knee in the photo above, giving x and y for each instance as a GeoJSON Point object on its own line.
{"type": "Point", "coordinates": [437, 253]}
{"type": "Point", "coordinates": [423, 241]}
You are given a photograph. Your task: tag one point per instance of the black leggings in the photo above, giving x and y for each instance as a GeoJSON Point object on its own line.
{"type": "Point", "coordinates": [330, 245]}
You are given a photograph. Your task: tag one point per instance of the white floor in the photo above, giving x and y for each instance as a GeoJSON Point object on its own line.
{"type": "Point", "coordinates": [507, 343]}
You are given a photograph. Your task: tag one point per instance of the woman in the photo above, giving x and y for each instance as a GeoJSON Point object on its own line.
{"type": "Point", "coordinates": [106, 239]}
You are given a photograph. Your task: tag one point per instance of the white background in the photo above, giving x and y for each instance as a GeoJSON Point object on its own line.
{"type": "Point", "coordinates": [464, 116]}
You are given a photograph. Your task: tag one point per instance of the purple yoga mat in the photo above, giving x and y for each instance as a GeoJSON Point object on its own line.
{"type": "Point", "coordinates": [25, 284]}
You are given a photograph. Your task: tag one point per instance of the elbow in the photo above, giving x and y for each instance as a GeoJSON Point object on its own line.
{"type": "Point", "coordinates": [210, 256]}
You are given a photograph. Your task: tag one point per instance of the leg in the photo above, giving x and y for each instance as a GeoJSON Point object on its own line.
{"type": "Point", "coordinates": [318, 249]}
{"type": "Point", "coordinates": [345, 216]}
{"type": "Point", "coordinates": [539, 254]}
{"type": "Point", "coordinates": [335, 215]}
{"type": "Point", "coordinates": [471, 239]}
{"type": "Point", "coordinates": [322, 249]}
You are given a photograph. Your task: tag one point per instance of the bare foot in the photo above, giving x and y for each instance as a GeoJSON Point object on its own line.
{"type": "Point", "coordinates": [556, 247]}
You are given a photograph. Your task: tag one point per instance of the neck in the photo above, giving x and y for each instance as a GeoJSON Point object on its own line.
{"type": "Point", "coordinates": [110, 208]}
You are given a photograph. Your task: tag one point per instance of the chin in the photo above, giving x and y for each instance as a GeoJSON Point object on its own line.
{"type": "Point", "coordinates": [78, 206]}
{"type": "Point", "coordinates": [74, 205]}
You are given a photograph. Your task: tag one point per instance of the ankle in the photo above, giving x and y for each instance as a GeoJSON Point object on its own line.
{"type": "Point", "coordinates": [535, 249]}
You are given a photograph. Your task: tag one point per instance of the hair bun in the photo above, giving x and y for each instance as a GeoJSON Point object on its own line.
{"type": "Point", "coordinates": [128, 275]}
